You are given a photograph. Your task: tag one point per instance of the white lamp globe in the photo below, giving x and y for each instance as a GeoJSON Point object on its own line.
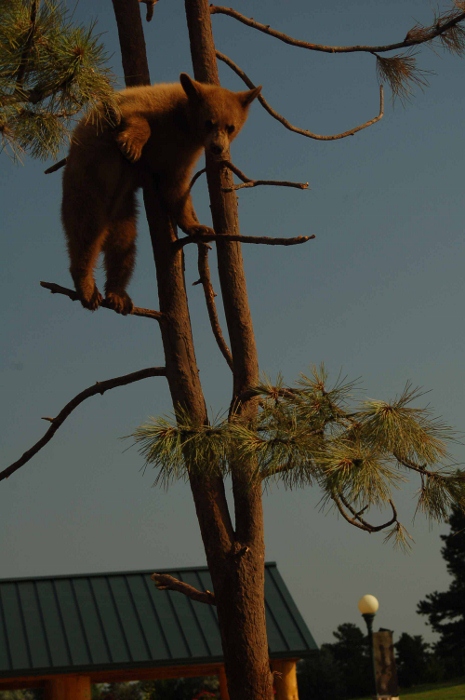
{"type": "Point", "coordinates": [368, 605]}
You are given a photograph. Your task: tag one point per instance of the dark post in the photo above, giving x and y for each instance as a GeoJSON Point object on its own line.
{"type": "Point", "coordinates": [369, 617]}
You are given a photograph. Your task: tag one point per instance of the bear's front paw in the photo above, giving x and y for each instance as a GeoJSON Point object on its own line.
{"type": "Point", "coordinates": [129, 147]}
{"type": "Point", "coordinates": [120, 302]}
{"type": "Point", "coordinates": [91, 301]}
{"type": "Point", "coordinates": [199, 230]}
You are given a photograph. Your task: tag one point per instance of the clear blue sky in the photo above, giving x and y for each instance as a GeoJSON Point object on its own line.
{"type": "Point", "coordinates": [377, 293]}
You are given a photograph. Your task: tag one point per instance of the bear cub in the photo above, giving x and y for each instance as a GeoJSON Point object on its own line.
{"type": "Point", "coordinates": [162, 132]}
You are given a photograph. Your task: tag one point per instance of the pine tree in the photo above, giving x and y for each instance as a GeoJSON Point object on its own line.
{"type": "Point", "coordinates": [446, 611]}
{"type": "Point", "coordinates": [49, 70]}
{"type": "Point", "coordinates": [352, 657]}
{"type": "Point", "coordinates": [310, 434]}
{"type": "Point", "coordinates": [412, 657]}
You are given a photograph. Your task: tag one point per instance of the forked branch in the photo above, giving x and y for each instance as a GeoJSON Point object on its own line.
{"type": "Point", "coordinates": [443, 24]}
{"type": "Point", "coordinates": [205, 281]}
{"type": "Point", "coordinates": [97, 388]}
{"type": "Point", "coordinates": [355, 517]}
{"type": "Point", "coordinates": [296, 129]}
{"type": "Point", "coordinates": [165, 582]}
{"type": "Point", "coordinates": [254, 183]}
{"type": "Point", "coordinates": [137, 310]}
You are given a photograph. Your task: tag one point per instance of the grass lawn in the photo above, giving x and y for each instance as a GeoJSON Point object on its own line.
{"type": "Point", "coordinates": [441, 691]}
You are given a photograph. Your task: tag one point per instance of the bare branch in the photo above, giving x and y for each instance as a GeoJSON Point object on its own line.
{"type": "Point", "coordinates": [443, 24]}
{"type": "Point", "coordinates": [205, 281]}
{"type": "Point", "coordinates": [195, 178]}
{"type": "Point", "coordinates": [288, 125]}
{"type": "Point", "coordinates": [357, 519]}
{"type": "Point", "coordinates": [97, 388]}
{"type": "Point", "coordinates": [254, 183]}
{"type": "Point", "coordinates": [137, 310]}
{"type": "Point", "coordinates": [165, 582]}
{"type": "Point", "coordinates": [56, 166]}
{"type": "Point", "coordinates": [259, 240]}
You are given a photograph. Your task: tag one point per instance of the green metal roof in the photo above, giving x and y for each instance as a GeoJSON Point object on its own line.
{"type": "Point", "coordinates": [92, 622]}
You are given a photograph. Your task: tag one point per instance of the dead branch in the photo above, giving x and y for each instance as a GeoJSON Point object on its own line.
{"type": "Point", "coordinates": [254, 183]}
{"type": "Point", "coordinates": [56, 166]}
{"type": "Point", "coordinates": [137, 310]}
{"type": "Point", "coordinates": [97, 388]}
{"type": "Point", "coordinates": [442, 24]}
{"type": "Point", "coordinates": [195, 178]}
{"type": "Point", "coordinates": [287, 124]}
{"type": "Point", "coordinates": [259, 240]}
{"type": "Point", "coordinates": [165, 582]}
{"type": "Point", "coordinates": [205, 281]}
{"type": "Point", "coordinates": [150, 5]}
{"type": "Point", "coordinates": [356, 519]}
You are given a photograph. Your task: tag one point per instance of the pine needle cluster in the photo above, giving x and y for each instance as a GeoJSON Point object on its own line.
{"type": "Point", "coordinates": [401, 72]}
{"type": "Point", "coordinates": [50, 70]}
{"type": "Point", "coordinates": [357, 452]}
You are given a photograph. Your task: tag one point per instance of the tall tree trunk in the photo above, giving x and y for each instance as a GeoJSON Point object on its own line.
{"type": "Point", "coordinates": [235, 558]}
{"type": "Point", "coordinates": [239, 582]}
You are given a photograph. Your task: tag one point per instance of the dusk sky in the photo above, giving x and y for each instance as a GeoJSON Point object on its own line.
{"type": "Point", "coordinates": [375, 296]}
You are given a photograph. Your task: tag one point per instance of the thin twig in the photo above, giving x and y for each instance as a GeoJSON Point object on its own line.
{"type": "Point", "coordinates": [259, 240]}
{"type": "Point", "coordinates": [195, 178]}
{"type": "Point", "coordinates": [254, 183]}
{"type": "Point", "coordinates": [74, 296]}
{"type": "Point", "coordinates": [165, 582]}
{"type": "Point", "coordinates": [357, 520]}
{"type": "Point", "coordinates": [410, 40]}
{"type": "Point", "coordinates": [421, 469]}
{"type": "Point", "coordinates": [56, 166]}
{"type": "Point", "coordinates": [97, 388]}
{"type": "Point", "coordinates": [27, 47]}
{"type": "Point", "coordinates": [296, 129]}
{"type": "Point", "coordinates": [205, 281]}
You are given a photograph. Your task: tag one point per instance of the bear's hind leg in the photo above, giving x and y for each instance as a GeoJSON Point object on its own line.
{"type": "Point", "coordinates": [120, 255]}
{"type": "Point", "coordinates": [83, 254]}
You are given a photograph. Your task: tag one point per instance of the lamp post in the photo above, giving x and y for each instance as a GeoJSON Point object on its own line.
{"type": "Point", "coordinates": [368, 606]}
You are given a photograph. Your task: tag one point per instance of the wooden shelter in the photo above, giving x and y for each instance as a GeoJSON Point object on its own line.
{"type": "Point", "coordinates": [63, 633]}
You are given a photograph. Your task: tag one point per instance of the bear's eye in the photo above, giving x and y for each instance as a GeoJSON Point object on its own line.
{"type": "Point", "coordinates": [230, 128]}
{"type": "Point", "coordinates": [209, 124]}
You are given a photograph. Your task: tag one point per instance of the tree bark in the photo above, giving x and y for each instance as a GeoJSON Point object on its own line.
{"type": "Point", "coordinates": [235, 558]}
{"type": "Point", "coordinates": [239, 581]}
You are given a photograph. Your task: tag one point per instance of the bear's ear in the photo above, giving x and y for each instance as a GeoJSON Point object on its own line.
{"type": "Point", "coordinates": [249, 95]}
{"type": "Point", "coordinates": [190, 87]}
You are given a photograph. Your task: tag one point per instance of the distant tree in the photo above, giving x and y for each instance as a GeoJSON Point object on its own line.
{"type": "Point", "coordinates": [180, 689]}
{"type": "Point", "coordinates": [117, 691]}
{"type": "Point", "coordinates": [446, 611]}
{"type": "Point", "coordinates": [320, 677]}
{"type": "Point", "coordinates": [170, 689]}
{"type": "Point", "coordinates": [50, 70]}
{"type": "Point", "coordinates": [352, 657]}
{"type": "Point", "coordinates": [412, 658]}
{"type": "Point", "coordinates": [29, 694]}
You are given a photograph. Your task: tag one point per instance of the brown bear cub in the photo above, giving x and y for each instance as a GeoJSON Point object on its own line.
{"type": "Point", "coordinates": [162, 132]}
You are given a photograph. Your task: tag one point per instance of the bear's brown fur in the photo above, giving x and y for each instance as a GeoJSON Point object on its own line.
{"type": "Point", "coordinates": [163, 130]}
